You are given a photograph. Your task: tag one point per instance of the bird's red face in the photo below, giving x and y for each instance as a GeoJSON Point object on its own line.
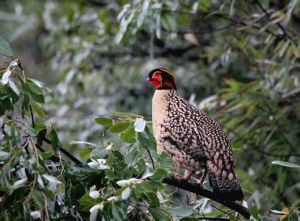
{"type": "Point", "coordinates": [161, 79]}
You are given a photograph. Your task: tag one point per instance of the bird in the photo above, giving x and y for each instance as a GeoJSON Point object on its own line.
{"type": "Point", "coordinates": [195, 141]}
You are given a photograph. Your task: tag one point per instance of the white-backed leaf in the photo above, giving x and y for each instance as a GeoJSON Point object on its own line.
{"type": "Point", "coordinates": [278, 212]}
{"type": "Point", "coordinates": [20, 183]}
{"type": "Point", "coordinates": [94, 211]}
{"type": "Point", "coordinates": [36, 82]}
{"type": "Point", "coordinates": [3, 155]}
{"type": "Point", "coordinates": [143, 14]}
{"type": "Point", "coordinates": [94, 194]}
{"type": "Point", "coordinates": [126, 193]}
{"type": "Point", "coordinates": [286, 164]}
{"type": "Point", "coordinates": [51, 178]}
{"type": "Point", "coordinates": [35, 214]}
{"type": "Point", "coordinates": [84, 142]}
{"type": "Point", "coordinates": [5, 77]}
{"type": "Point", "coordinates": [13, 86]}
{"type": "Point", "coordinates": [139, 125]}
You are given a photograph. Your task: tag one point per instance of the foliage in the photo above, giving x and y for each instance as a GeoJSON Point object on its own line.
{"type": "Point", "coordinates": [241, 58]}
{"type": "Point", "coordinates": [117, 183]}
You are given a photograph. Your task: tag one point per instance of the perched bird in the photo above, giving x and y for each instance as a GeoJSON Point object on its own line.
{"type": "Point", "coordinates": [195, 141]}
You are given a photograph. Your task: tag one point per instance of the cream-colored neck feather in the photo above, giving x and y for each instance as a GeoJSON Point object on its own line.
{"type": "Point", "coordinates": [160, 102]}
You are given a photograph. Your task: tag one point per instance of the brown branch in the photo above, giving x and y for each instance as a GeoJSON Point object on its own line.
{"type": "Point", "coordinates": [150, 156]}
{"type": "Point", "coordinates": [65, 152]}
{"type": "Point", "coordinates": [195, 188]}
{"type": "Point", "coordinates": [53, 158]}
{"type": "Point", "coordinates": [41, 137]}
{"type": "Point", "coordinates": [214, 219]}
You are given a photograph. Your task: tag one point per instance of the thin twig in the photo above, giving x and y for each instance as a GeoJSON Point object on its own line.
{"type": "Point", "coordinates": [47, 217]}
{"type": "Point", "coordinates": [65, 152]}
{"type": "Point", "coordinates": [151, 159]}
{"type": "Point", "coordinates": [32, 117]}
{"type": "Point", "coordinates": [233, 19]}
{"type": "Point", "coordinates": [53, 158]}
{"type": "Point", "coordinates": [195, 188]}
{"type": "Point", "coordinates": [258, 148]}
{"type": "Point", "coordinates": [285, 34]}
{"type": "Point", "coordinates": [213, 218]}
{"type": "Point", "coordinates": [278, 125]}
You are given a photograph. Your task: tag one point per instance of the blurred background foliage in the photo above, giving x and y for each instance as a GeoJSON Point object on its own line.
{"type": "Point", "coordinates": [237, 60]}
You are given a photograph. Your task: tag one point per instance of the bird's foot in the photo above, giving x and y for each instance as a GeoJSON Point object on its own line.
{"type": "Point", "coordinates": [185, 177]}
{"type": "Point", "coordinates": [203, 175]}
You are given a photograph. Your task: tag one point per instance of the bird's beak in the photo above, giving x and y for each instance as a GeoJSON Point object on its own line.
{"type": "Point", "coordinates": [148, 79]}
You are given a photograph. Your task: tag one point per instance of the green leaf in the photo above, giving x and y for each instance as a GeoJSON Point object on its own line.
{"type": "Point", "coordinates": [86, 202]}
{"type": "Point", "coordinates": [146, 141]}
{"type": "Point", "coordinates": [38, 98]}
{"type": "Point", "coordinates": [153, 200]}
{"type": "Point", "coordinates": [34, 88]}
{"type": "Point", "coordinates": [55, 143]}
{"type": "Point", "coordinates": [181, 211]}
{"type": "Point", "coordinates": [159, 174]}
{"type": "Point", "coordinates": [286, 164]}
{"type": "Point", "coordinates": [254, 212]}
{"type": "Point", "coordinates": [140, 166]}
{"type": "Point", "coordinates": [160, 215]}
{"type": "Point", "coordinates": [189, 219]}
{"type": "Point", "coordinates": [5, 48]}
{"type": "Point", "coordinates": [128, 136]}
{"type": "Point", "coordinates": [38, 198]}
{"type": "Point", "coordinates": [85, 152]}
{"type": "Point", "coordinates": [31, 132]}
{"type": "Point", "coordinates": [165, 160]}
{"type": "Point", "coordinates": [38, 127]}
{"type": "Point", "coordinates": [118, 213]}
{"type": "Point", "coordinates": [204, 5]}
{"type": "Point", "coordinates": [46, 155]}
{"type": "Point", "coordinates": [125, 114]}
{"type": "Point", "coordinates": [36, 82]}
{"type": "Point", "coordinates": [110, 174]}
{"type": "Point", "coordinates": [49, 193]}
{"type": "Point", "coordinates": [35, 91]}
{"type": "Point", "coordinates": [99, 152]}
{"type": "Point", "coordinates": [106, 122]}
{"type": "Point", "coordinates": [119, 127]}
{"type": "Point", "coordinates": [38, 110]}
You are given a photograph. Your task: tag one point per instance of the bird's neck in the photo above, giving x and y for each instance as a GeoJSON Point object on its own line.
{"type": "Point", "coordinates": [164, 94]}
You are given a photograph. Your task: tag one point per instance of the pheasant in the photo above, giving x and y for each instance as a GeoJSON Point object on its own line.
{"type": "Point", "coordinates": [195, 141]}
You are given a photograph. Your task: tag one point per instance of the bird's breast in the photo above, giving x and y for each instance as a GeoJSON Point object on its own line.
{"type": "Point", "coordinates": [160, 103]}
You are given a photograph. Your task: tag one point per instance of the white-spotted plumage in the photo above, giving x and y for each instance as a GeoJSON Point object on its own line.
{"type": "Point", "coordinates": [194, 140]}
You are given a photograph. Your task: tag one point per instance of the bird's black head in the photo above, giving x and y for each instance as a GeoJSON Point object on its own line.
{"type": "Point", "coordinates": [162, 79]}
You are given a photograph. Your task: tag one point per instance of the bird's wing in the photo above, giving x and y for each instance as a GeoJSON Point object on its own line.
{"type": "Point", "coordinates": [202, 138]}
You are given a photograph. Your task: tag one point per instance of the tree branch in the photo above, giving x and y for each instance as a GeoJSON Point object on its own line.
{"type": "Point", "coordinates": [236, 20]}
{"type": "Point", "coordinates": [65, 152]}
{"type": "Point", "coordinates": [151, 159]}
{"type": "Point", "coordinates": [41, 137]}
{"type": "Point", "coordinates": [285, 34]}
{"type": "Point", "coordinates": [195, 188]}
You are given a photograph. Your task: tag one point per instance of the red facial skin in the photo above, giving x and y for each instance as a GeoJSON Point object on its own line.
{"type": "Point", "coordinates": [162, 82]}
{"type": "Point", "coordinates": [156, 80]}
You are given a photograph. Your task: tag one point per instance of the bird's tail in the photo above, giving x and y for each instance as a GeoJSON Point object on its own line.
{"type": "Point", "coordinates": [228, 188]}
